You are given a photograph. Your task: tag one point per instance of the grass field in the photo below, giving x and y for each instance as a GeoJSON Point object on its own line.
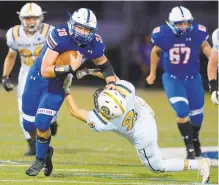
{"type": "Point", "coordinates": [85, 157]}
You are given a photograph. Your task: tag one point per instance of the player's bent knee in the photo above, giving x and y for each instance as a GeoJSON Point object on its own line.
{"type": "Point", "coordinates": [29, 126]}
{"type": "Point", "coordinates": [156, 167]}
{"type": "Point", "coordinates": [181, 109]}
{"type": "Point", "coordinates": [44, 134]}
{"type": "Point", "coordinates": [197, 119]}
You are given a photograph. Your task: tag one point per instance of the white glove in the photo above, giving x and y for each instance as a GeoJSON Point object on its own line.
{"type": "Point", "coordinates": [81, 73]}
{"type": "Point", "coordinates": [67, 83]}
{"type": "Point", "coordinates": [214, 97]}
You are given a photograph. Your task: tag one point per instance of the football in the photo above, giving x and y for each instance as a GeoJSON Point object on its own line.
{"type": "Point", "coordinates": [64, 58]}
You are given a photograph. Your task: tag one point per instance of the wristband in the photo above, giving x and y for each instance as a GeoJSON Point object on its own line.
{"type": "Point", "coordinates": [212, 85]}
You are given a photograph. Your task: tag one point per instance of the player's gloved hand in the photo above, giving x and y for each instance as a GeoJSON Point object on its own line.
{"type": "Point", "coordinates": [67, 83]}
{"type": "Point", "coordinates": [8, 86]}
{"type": "Point", "coordinates": [111, 86]}
{"type": "Point", "coordinates": [214, 97]}
{"type": "Point", "coordinates": [150, 79]}
{"type": "Point", "coordinates": [81, 73]}
{"type": "Point", "coordinates": [75, 62]}
{"type": "Point", "coordinates": [214, 91]}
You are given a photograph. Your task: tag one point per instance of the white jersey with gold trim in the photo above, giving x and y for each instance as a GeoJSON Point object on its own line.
{"type": "Point", "coordinates": [28, 47]}
{"type": "Point", "coordinates": [215, 39]}
{"type": "Point", "coordinates": [135, 123]}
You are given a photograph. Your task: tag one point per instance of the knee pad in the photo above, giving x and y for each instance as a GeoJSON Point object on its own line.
{"type": "Point", "coordinates": [181, 108]}
{"type": "Point", "coordinates": [29, 126]}
{"type": "Point", "coordinates": [43, 121]}
{"type": "Point", "coordinates": [196, 120]}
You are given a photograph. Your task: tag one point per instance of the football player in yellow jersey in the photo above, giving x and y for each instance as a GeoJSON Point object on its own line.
{"type": "Point", "coordinates": [26, 40]}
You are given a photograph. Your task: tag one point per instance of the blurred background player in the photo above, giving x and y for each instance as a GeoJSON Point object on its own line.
{"type": "Point", "coordinates": [45, 79]}
{"type": "Point", "coordinates": [213, 67]}
{"type": "Point", "coordinates": [130, 116]}
{"type": "Point", "coordinates": [26, 39]}
{"type": "Point", "coordinates": [180, 41]}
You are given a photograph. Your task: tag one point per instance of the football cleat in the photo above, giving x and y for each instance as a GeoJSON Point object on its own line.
{"type": "Point", "coordinates": [190, 153]}
{"type": "Point", "coordinates": [204, 170]}
{"type": "Point", "coordinates": [197, 145]}
{"type": "Point", "coordinates": [48, 167]}
{"type": "Point", "coordinates": [35, 168]}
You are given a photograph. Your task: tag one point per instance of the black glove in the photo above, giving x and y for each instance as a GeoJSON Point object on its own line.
{"type": "Point", "coordinates": [8, 86]}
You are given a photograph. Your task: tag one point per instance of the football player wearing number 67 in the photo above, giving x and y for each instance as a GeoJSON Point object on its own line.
{"type": "Point", "coordinates": [130, 116]}
{"type": "Point", "coordinates": [180, 40]}
{"type": "Point", "coordinates": [27, 40]}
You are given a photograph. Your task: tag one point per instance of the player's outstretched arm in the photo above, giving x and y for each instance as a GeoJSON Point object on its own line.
{"type": "Point", "coordinates": [81, 114]}
{"type": "Point", "coordinates": [75, 111]}
{"type": "Point", "coordinates": [107, 70]}
{"type": "Point", "coordinates": [8, 66]}
{"type": "Point", "coordinates": [155, 56]}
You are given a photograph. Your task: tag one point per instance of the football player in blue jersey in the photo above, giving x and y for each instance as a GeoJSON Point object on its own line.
{"type": "Point", "coordinates": [180, 40]}
{"type": "Point", "coordinates": [43, 94]}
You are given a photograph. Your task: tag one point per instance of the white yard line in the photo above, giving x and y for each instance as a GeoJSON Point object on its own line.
{"type": "Point", "coordinates": [87, 182]}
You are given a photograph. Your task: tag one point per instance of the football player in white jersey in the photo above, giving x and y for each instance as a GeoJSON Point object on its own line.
{"type": "Point", "coordinates": [124, 113]}
{"type": "Point", "coordinates": [213, 67]}
{"type": "Point", "coordinates": [27, 40]}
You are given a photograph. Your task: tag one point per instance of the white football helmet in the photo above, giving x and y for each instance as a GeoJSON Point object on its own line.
{"type": "Point", "coordinates": [31, 10]}
{"type": "Point", "coordinates": [111, 103]}
{"type": "Point", "coordinates": [177, 15]}
{"type": "Point", "coordinates": [84, 18]}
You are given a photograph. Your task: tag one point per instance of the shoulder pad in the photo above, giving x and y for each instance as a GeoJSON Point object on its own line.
{"type": "Point", "coordinates": [98, 46]}
{"type": "Point", "coordinates": [14, 32]}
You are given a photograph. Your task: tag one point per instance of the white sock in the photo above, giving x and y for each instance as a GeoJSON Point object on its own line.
{"type": "Point", "coordinates": [193, 165]}
{"type": "Point", "coordinates": [26, 134]}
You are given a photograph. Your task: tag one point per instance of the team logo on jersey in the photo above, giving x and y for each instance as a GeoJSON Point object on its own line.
{"type": "Point", "coordinates": [202, 28]}
{"type": "Point", "coordinates": [89, 51]}
{"type": "Point", "coordinates": [156, 30]}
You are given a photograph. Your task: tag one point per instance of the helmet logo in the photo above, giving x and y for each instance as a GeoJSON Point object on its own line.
{"type": "Point", "coordinates": [105, 110]}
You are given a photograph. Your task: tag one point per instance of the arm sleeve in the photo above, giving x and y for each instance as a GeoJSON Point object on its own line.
{"type": "Point", "coordinates": [53, 40]}
{"type": "Point", "coordinates": [202, 33]}
{"type": "Point", "coordinates": [11, 40]}
{"type": "Point", "coordinates": [99, 47]}
{"type": "Point", "coordinates": [156, 37]}
{"type": "Point", "coordinates": [126, 88]}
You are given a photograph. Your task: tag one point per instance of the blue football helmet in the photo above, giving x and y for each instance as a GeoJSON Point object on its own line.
{"type": "Point", "coordinates": [85, 18]}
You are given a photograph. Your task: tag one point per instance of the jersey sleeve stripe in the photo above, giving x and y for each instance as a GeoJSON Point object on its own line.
{"type": "Point", "coordinates": [124, 88]}
{"type": "Point", "coordinates": [50, 43]}
{"type": "Point", "coordinates": [15, 32]}
{"type": "Point", "coordinates": [50, 36]}
{"type": "Point", "coordinates": [45, 30]}
{"type": "Point", "coordinates": [100, 117]}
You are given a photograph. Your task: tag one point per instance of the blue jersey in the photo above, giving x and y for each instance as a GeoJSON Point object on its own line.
{"type": "Point", "coordinates": [181, 54]}
{"type": "Point", "coordinates": [60, 41]}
